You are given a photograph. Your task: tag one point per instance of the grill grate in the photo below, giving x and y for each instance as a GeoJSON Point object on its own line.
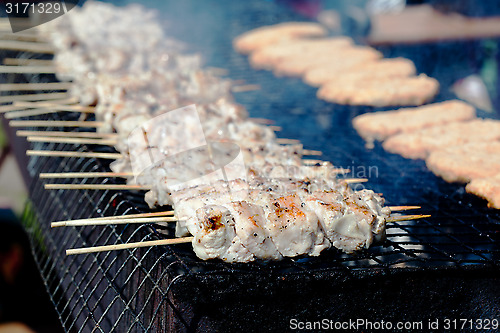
{"type": "Point", "coordinates": [168, 288]}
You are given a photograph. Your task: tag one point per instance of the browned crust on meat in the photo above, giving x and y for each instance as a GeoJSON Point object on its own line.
{"type": "Point", "coordinates": [419, 144]}
{"type": "Point", "coordinates": [467, 162]}
{"type": "Point", "coordinates": [486, 188]}
{"type": "Point", "coordinates": [380, 68]}
{"type": "Point", "coordinates": [380, 125]}
{"type": "Point", "coordinates": [214, 222]}
{"type": "Point", "coordinates": [385, 92]}
{"type": "Point", "coordinates": [267, 35]}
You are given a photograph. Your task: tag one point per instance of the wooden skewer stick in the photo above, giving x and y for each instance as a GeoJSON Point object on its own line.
{"type": "Point", "coordinates": [103, 142]}
{"type": "Point", "coordinates": [21, 46]}
{"type": "Point", "coordinates": [312, 162]}
{"type": "Point", "coordinates": [128, 187]}
{"type": "Point", "coordinates": [29, 62]}
{"type": "Point", "coordinates": [11, 107]}
{"type": "Point", "coordinates": [354, 180]}
{"type": "Point", "coordinates": [27, 69]}
{"type": "Point", "coordinates": [113, 187]}
{"type": "Point", "coordinates": [339, 170]}
{"type": "Point", "coordinates": [399, 208]}
{"type": "Point", "coordinates": [275, 128]}
{"type": "Point", "coordinates": [32, 97]}
{"type": "Point", "coordinates": [95, 135]}
{"type": "Point", "coordinates": [115, 221]}
{"type": "Point", "coordinates": [35, 86]}
{"type": "Point", "coordinates": [66, 175]}
{"type": "Point", "coordinates": [43, 110]}
{"type": "Point", "coordinates": [27, 113]}
{"type": "Point", "coordinates": [170, 241]}
{"type": "Point", "coordinates": [312, 152]}
{"type": "Point", "coordinates": [52, 153]}
{"type": "Point", "coordinates": [246, 87]}
{"type": "Point", "coordinates": [35, 97]}
{"type": "Point", "coordinates": [19, 109]}
{"type": "Point", "coordinates": [335, 170]}
{"type": "Point", "coordinates": [287, 141]}
{"type": "Point", "coordinates": [55, 123]}
{"type": "Point", "coordinates": [406, 218]}
{"type": "Point", "coordinates": [108, 218]}
{"type": "Point", "coordinates": [58, 106]}
{"type": "Point", "coordinates": [64, 101]}
{"type": "Point", "coordinates": [23, 37]}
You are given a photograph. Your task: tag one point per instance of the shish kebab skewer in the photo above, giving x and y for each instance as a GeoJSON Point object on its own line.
{"type": "Point", "coordinates": [29, 61]}
{"type": "Point", "coordinates": [282, 219]}
{"type": "Point", "coordinates": [35, 86]}
{"type": "Point", "coordinates": [66, 175]}
{"type": "Point", "coordinates": [91, 124]}
{"type": "Point", "coordinates": [55, 103]}
{"type": "Point", "coordinates": [321, 170]}
{"type": "Point", "coordinates": [22, 109]}
{"type": "Point", "coordinates": [276, 166]}
{"type": "Point", "coordinates": [227, 235]}
{"type": "Point", "coordinates": [111, 142]}
{"type": "Point", "coordinates": [172, 241]}
{"type": "Point", "coordinates": [33, 97]}
{"type": "Point", "coordinates": [68, 123]}
{"type": "Point", "coordinates": [110, 136]}
{"type": "Point", "coordinates": [146, 218]}
{"type": "Point", "coordinates": [140, 187]}
{"type": "Point", "coordinates": [110, 218]}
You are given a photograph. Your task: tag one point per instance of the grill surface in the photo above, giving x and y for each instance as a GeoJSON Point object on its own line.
{"type": "Point", "coordinates": [437, 267]}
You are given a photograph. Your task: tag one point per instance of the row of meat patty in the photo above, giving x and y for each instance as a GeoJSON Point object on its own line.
{"type": "Point", "coordinates": [456, 144]}
{"type": "Point", "coordinates": [344, 72]}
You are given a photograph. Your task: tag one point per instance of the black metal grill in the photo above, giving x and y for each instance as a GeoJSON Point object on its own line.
{"type": "Point", "coordinates": [443, 266]}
